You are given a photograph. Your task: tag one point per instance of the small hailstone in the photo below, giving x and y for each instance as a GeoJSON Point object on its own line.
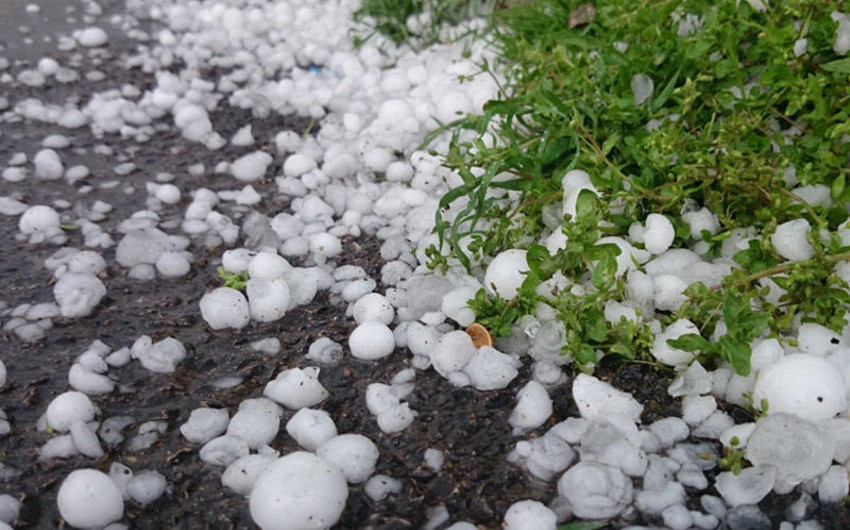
{"type": "Point", "coordinates": [241, 475]}
{"type": "Point", "coordinates": [533, 408]}
{"type": "Point", "coordinates": [161, 357]}
{"type": "Point", "coordinates": [833, 485]}
{"type": "Point", "coordinates": [597, 399]}
{"type": "Point", "coordinates": [325, 245]}
{"type": "Point", "coordinates": [146, 487]}
{"type": "Point", "coordinates": [85, 440]}
{"type": "Point", "coordinates": [10, 508]}
{"type": "Point", "coordinates": [452, 352]}
{"type": "Point", "coordinates": [324, 351]}
{"type": "Point", "coordinates": [380, 398]}
{"type": "Point", "coordinates": [311, 428]}
{"type": "Point", "coordinates": [268, 300]}
{"type": "Point", "coordinates": [642, 87]}
{"type": "Point", "coordinates": [91, 37]}
{"type": "Point", "coordinates": [89, 382]}
{"type": "Point", "coordinates": [658, 234]}
{"type": "Point", "coordinates": [791, 240]}
{"type": "Point", "coordinates": [692, 381]}
{"type": "Point", "coordinates": [78, 293]}
{"type": "Point", "coordinates": [354, 454]}
{"type": "Point", "coordinates": [204, 424]}
{"type": "Point", "coordinates": [371, 340]}
{"type": "Point", "coordinates": [530, 515]}
{"type": "Point", "coordinates": [298, 164]}
{"type": "Point", "coordinates": [89, 499]}
{"type": "Point", "coordinates": [297, 388]}
{"type": "Point", "coordinates": [596, 491]}
{"type": "Point", "coordinates": [243, 137]}
{"type": "Point", "coordinates": [224, 307]}
{"type": "Point", "coordinates": [749, 486]}
{"type": "Point", "coordinates": [373, 306]}
{"type": "Point", "coordinates": [455, 305]}
{"type": "Point", "coordinates": [266, 266]}
{"type": "Point", "coordinates": [223, 450]}
{"type": "Point", "coordinates": [258, 426]}
{"type": "Point", "coordinates": [696, 409]}
{"type": "Point", "coordinates": [379, 487]}
{"type": "Point", "coordinates": [67, 408]}
{"type": "Point", "coordinates": [667, 354]}
{"type": "Point", "coordinates": [40, 223]}
{"type": "Point", "coordinates": [506, 273]}
{"type": "Point", "coordinates": [48, 165]}
{"type": "Point", "coordinates": [299, 490]}
{"type": "Point", "coordinates": [491, 369]}
{"type": "Point", "coordinates": [172, 265]}
{"type": "Point", "coordinates": [396, 419]}
{"type": "Point", "coordinates": [251, 167]}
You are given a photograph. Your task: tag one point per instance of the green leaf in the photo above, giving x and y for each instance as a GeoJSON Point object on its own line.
{"type": "Point", "coordinates": [735, 353]}
{"type": "Point", "coordinates": [841, 66]}
{"type": "Point", "coordinates": [587, 208]}
{"type": "Point", "coordinates": [691, 342]}
{"type": "Point", "coordinates": [838, 186]}
{"type": "Point", "coordinates": [595, 325]}
{"type": "Point", "coordinates": [604, 273]}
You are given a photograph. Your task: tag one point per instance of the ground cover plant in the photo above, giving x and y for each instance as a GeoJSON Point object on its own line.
{"type": "Point", "coordinates": [726, 111]}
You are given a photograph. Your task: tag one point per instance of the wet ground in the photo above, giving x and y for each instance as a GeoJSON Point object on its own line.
{"type": "Point", "coordinates": [470, 427]}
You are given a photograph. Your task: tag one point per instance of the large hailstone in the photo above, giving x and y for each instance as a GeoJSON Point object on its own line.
{"type": "Point", "coordinates": [78, 293]}
{"type": "Point", "coordinates": [224, 308]}
{"type": "Point", "coordinates": [506, 273]}
{"type": "Point", "coordinates": [299, 491]}
{"type": "Point", "coordinates": [89, 499]}
{"type": "Point", "coordinates": [354, 454]}
{"type": "Point", "coordinates": [68, 407]}
{"type": "Point", "coordinates": [267, 299]}
{"type": "Point", "coordinates": [596, 491]}
{"type": "Point", "coordinates": [805, 385]}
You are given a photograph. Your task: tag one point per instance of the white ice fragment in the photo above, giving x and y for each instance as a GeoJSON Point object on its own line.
{"type": "Point", "coordinates": [263, 266]}
{"type": "Point", "coordinates": [491, 369]}
{"type": "Point", "coordinates": [89, 499]}
{"type": "Point", "coordinates": [58, 447]}
{"type": "Point", "coordinates": [91, 37]}
{"type": "Point", "coordinates": [223, 450]}
{"type": "Point", "coordinates": [297, 388]}
{"type": "Point", "coordinates": [667, 354]}
{"type": "Point", "coordinates": [146, 487]}
{"type": "Point", "coordinates": [204, 424]}
{"type": "Point", "coordinates": [694, 380]}
{"type": "Point", "coordinates": [842, 33]}
{"type": "Point", "coordinates": [78, 293]}
{"type": "Point", "coordinates": [298, 164]}
{"type": "Point", "coordinates": [161, 357]}
{"type": "Point", "coordinates": [614, 441]}
{"type": "Point", "coordinates": [243, 137]}
{"type": "Point", "coordinates": [506, 273]}
{"type": "Point", "coordinates": [373, 306]}
{"type": "Point", "coordinates": [379, 487]}
{"type": "Point", "coordinates": [224, 307]}
{"type": "Point", "coordinates": [396, 419]}
{"type": "Point", "coordinates": [311, 428]}
{"type": "Point", "coordinates": [642, 87]}
{"type": "Point", "coordinates": [669, 431]}
{"type": "Point", "coordinates": [298, 491]}
{"type": "Point", "coordinates": [533, 408]}
{"type": "Point", "coordinates": [455, 305]}
{"type": "Point", "coordinates": [251, 167]}
{"type": "Point", "coordinates": [85, 440]}
{"type": "Point", "coordinates": [452, 352]}
{"type": "Point", "coordinates": [791, 240]}
{"type": "Point", "coordinates": [529, 515]}
{"type": "Point", "coordinates": [325, 245]}
{"type": "Point", "coordinates": [371, 340]}
{"type": "Point", "coordinates": [654, 502]}
{"type": "Point", "coordinates": [258, 426]}
{"type": "Point", "coordinates": [40, 223]}
{"type": "Point", "coordinates": [48, 165]}
{"type": "Point", "coordinates": [324, 351]}
{"type": "Point", "coordinates": [597, 399]}
{"type": "Point", "coordinates": [172, 265]}
{"type": "Point", "coordinates": [749, 486]}
{"type": "Point", "coordinates": [89, 382]}
{"type": "Point", "coordinates": [143, 245]}
{"type": "Point", "coordinates": [241, 475]}
{"type": "Point", "coordinates": [354, 454]}
{"type": "Point", "coordinates": [658, 234]}
{"type": "Point", "coordinates": [596, 491]}
{"type": "Point", "coordinates": [802, 384]}
{"type": "Point", "coordinates": [833, 485]}
{"type": "Point", "coordinates": [67, 408]}
{"type": "Point", "coordinates": [268, 300]}
{"type": "Point", "coordinates": [808, 456]}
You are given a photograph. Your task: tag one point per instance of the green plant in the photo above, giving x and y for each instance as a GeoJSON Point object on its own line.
{"type": "Point", "coordinates": [234, 280]}
{"type": "Point", "coordinates": [738, 119]}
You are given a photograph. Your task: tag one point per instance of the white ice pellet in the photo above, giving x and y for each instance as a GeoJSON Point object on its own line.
{"type": "Point", "coordinates": [258, 426]}
{"type": "Point", "coordinates": [373, 306]}
{"type": "Point", "coordinates": [67, 408]}
{"type": "Point", "coordinates": [452, 352]}
{"type": "Point", "coordinates": [89, 499]}
{"type": "Point", "coordinates": [146, 487]}
{"type": "Point", "coordinates": [596, 491]}
{"type": "Point", "coordinates": [85, 440]}
{"type": "Point", "coordinates": [91, 37]}
{"type": "Point", "coordinates": [667, 354]}
{"type": "Point", "coordinates": [251, 167]}
{"type": "Point", "coordinates": [506, 273]}
{"type": "Point", "coordinates": [311, 428]}
{"type": "Point", "coordinates": [172, 265]}
{"type": "Point", "coordinates": [85, 380]}
{"type": "Point", "coordinates": [597, 399]}
{"type": "Point", "coordinates": [354, 454]}
{"type": "Point", "coordinates": [162, 356]}
{"type": "Point", "coordinates": [41, 223]}
{"type": "Point", "coordinates": [491, 369]}
{"type": "Point", "coordinates": [297, 388]}
{"type": "Point", "coordinates": [298, 164]}
{"type": "Point", "coordinates": [224, 307]}
{"type": "Point", "coordinates": [243, 472]}
{"type": "Point", "coordinates": [833, 485]}
{"type": "Point", "coordinates": [325, 245]}
{"type": "Point", "coordinates": [299, 490]}
{"type": "Point", "coordinates": [324, 351]}
{"type": "Point", "coordinates": [455, 305]}
{"type": "Point", "coordinates": [802, 384]}
{"type": "Point", "coordinates": [223, 450]}
{"type": "Point", "coordinates": [791, 240]}
{"type": "Point", "coordinates": [530, 515]}
{"type": "Point", "coordinates": [371, 340]}
{"type": "Point", "coordinates": [533, 408]}
{"type": "Point", "coordinates": [379, 487]}
{"type": "Point", "coordinates": [396, 419]}
{"type": "Point", "coordinates": [268, 300]}
{"type": "Point", "coordinates": [748, 486]}
{"type": "Point", "coordinates": [204, 424]}
{"type": "Point", "coordinates": [48, 165]}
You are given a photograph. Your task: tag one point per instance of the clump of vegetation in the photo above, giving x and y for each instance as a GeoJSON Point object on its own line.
{"type": "Point", "coordinates": [234, 280]}
{"type": "Point", "coordinates": [670, 107]}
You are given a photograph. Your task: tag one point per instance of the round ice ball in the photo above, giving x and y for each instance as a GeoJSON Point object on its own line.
{"type": "Point", "coordinates": [373, 306]}
{"type": "Point", "coordinates": [225, 308]}
{"type": "Point", "coordinates": [39, 218]}
{"type": "Point", "coordinates": [371, 340]}
{"type": "Point", "coordinates": [530, 515]}
{"type": "Point", "coordinates": [89, 499]}
{"type": "Point", "coordinates": [506, 273]}
{"type": "Point", "coordinates": [354, 454]}
{"type": "Point", "coordinates": [68, 407]}
{"type": "Point", "coordinates": [268, 266]}
{"type": "Point", "coordinates": [299, 491]}
{"type": "Point", "coordinates": [807, 386]}
{"type": "Point", "coordinates": [78, 293]}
